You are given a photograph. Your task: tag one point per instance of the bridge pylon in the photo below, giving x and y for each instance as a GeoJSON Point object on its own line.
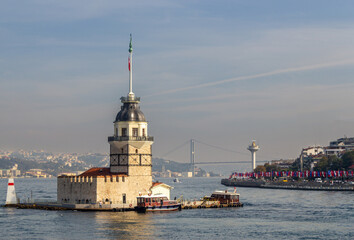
{"type": "Point", "coordinates": [192, 159]}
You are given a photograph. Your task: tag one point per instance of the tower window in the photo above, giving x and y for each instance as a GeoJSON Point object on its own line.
{"type": "Point", "coordinates": [124, 132]}
{"type": "Point", "coordinates": [124, 198]}
{"type": "Point", "coordinates": [135, 132]}
{"type": "Point", "coordinates": [136, 150]}
{"type": "Point", "coordinates": [143, 132]}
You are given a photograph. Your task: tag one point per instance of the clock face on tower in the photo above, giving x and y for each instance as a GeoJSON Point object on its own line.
{"type": "Point", "coordinates": [123, 160]}
{"type": "Point", "coordinates": [145, 159]}
{"type": "Point", "coordinates": [134, 159]}
{"type": "Point", "coordinates": [114, 160]}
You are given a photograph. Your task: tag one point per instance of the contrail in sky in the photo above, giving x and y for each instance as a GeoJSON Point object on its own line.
{"type": "Point", "coordinates": [259, 75]}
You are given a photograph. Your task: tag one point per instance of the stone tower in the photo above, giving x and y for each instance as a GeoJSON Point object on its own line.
{"type": "Point", "coordinates": [130, 146]}
{"type": "Point", "coordinates": [129, 173]}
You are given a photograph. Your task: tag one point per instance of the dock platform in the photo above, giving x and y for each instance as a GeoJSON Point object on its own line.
{"type": "Point", "coordinates": [208, 204]}
{"type": "Point", "coordinates": [76, 207]}
{"type": "Point", "coordinates": [72, 207]}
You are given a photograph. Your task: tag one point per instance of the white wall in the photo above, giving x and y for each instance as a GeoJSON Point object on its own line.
{"type": "Point", "coordinates": [161, 189]}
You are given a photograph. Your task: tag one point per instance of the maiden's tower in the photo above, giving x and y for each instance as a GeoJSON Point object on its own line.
{"type": "Point", "coordinates": [129, 172]}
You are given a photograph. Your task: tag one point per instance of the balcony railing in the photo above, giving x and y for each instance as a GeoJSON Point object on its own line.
{"type": "Point", "coordinates": [130, 99]}
{"type": "Point", "coordinates": [130, 138]}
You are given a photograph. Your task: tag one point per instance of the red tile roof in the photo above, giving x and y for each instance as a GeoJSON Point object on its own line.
{"type": "Point", "coordinates": [154, 184]}
{"type": "Point", "coordinates": [100, 172]}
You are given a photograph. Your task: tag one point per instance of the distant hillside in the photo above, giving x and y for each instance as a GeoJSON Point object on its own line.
{"type": "Point", "coordinates": [158, 163]}
{"type": "Point", "coordinates": [83, 163]}
{"type": "Point", "coordinates": [53, 168]}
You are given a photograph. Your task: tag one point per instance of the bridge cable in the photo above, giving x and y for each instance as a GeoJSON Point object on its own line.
{"type": "Point", "coordinates": [243, 153]}
{"type": "Point", "coordinates": [221, 148]}
{"type": "Point", "coordinates": [175, 149]}
{"type": "Point", "coordinates": [212, 163]}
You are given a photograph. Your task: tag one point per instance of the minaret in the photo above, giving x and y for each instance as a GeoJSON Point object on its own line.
{"type": "Point", "coordinates": [130, 146]}
{"type": "Point", "coordinates": [253, 148]}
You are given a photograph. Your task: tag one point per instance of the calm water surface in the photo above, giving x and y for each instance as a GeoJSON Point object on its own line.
{"type": "Point", "coordinates": [267, 214]}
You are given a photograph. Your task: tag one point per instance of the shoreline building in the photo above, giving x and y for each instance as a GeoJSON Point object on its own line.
{"type": "Point", "coordinates": [129, 174]}
{"type": "Point", "coordinates": [339, 146]}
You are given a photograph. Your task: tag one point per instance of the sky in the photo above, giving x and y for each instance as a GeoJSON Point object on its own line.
{"type": "Point", "coordinates": [220, 72]}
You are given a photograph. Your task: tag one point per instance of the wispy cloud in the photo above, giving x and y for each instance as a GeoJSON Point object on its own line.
{"type": "Point", "coordinates": [260, 75]}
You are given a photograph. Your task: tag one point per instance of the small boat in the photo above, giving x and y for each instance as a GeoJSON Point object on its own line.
{"type": "Point", "coordinates": [176, 180]}
{"type": "Point", "coordinates": [155, 203]}
{"type": "Point", "coordinates": [224, 197]}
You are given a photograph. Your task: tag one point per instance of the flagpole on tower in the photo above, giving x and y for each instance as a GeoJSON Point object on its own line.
{"type": "Point", "coordinates": [130, 66]}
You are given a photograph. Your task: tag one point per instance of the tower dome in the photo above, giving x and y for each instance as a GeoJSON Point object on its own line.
{"type": "Point", "coordinates": [130, 111]}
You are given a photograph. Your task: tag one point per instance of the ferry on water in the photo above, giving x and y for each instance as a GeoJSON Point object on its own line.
{"type": "Point", "coordinates": [224, 197]}
{"type": "Point", "coordinates": [155, 203]}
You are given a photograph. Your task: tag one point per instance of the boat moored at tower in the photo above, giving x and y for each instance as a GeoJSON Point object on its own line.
{"type": "Point", "coordinates": [156, 203]}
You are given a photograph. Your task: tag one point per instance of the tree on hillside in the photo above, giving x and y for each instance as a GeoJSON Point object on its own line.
{"type": "Point", "coordinates": [335, 163]}
{"type": "Point", "coordinates": [348, 159]}
{"type": "Point", "coordinates": [271, 167]}
{"type": "Point", "coordinates": [260, 168]}
{"type": "Point", "coordinates": [329, 163]}
{"type": "Point", "coordinates": [296, 165]}
{"type": "Point", "coordinates": [322, 165]}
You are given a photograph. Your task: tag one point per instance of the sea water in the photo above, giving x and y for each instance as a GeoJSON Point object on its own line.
{"type": "Point", "coordinates": [267, 214]}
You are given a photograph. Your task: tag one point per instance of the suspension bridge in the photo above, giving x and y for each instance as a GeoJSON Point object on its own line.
{"type": "Point", "coordinates": [192, 162]}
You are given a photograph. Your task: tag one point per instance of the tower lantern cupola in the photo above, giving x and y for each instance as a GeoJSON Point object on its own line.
{"type": "Point", "coordinates": [130, 146]}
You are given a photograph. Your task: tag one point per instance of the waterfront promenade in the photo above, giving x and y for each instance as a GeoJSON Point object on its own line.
{"type": "Point", "coordinates": [290, 185]}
